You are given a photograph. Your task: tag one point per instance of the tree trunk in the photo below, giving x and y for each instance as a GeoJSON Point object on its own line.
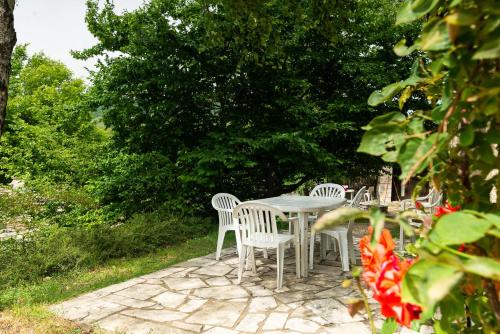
{"type": "Point", "coordinates": [7, 42]}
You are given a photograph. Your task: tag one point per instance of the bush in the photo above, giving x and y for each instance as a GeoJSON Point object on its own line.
{"type": "Point", "coordinates": [132, 183]}
{"type": "Point", "coordinates": [53, 250]}
{"type": "Point", "coordinates": [46, 203]}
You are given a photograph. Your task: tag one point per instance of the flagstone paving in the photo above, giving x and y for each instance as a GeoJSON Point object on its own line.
{"type": "Point", "coordinates": [202, 296]}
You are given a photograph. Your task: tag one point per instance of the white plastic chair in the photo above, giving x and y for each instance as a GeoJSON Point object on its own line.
{"type": "Point", "coordinates": [224, 204]}
{"type": "Point", "coordinates": [429, 203]}
{"type": "Point", "coordinates": [322, 190]}
{"type": "Point", "coordinates": [328, 190]}
{"type": "Point", "coordinates": [258, 229]}
{"type": "Point", "coordinates": [342, 235]}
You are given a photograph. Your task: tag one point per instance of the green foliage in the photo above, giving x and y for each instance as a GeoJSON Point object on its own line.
{"type": "Point", "coordinates": [451, 141]}
{"type": "Point", "coordinates": [49, 290]}
{"type": "Point", "coordinates": [249, 97]}
{"type": "Point", "coordinates": [49, 131]}
{"type": "Point", "coordinates": [129, 183]}
{"type": "Point", "coordinates": [53, 250]}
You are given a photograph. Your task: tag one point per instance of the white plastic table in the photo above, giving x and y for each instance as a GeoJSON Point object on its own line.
{"type": "Point", "coordinates": [303, 205]}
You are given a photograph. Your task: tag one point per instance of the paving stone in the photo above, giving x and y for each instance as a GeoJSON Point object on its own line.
{"type": "Point", "coordinates": [331, 310]}
{"type": "Point", "coordinates": [199, 262]}
{"type": "Point", "coordinates": [126, 301]}
{"type": "Point", "coordinates": [250, 323]}
{"type": "Point", "coordinates": [239, 300]}
{"type": "Point", "coordinates": [302, 325]}
{"type": "Point", "coordinates": [214, 270]}
{"type": "Point", "coordinates": [189, 327]}
{"type": "Point", "coordinates": [86, 310]}
{"type": "Point", "coordinates": [192, 305]}
{"type": "Point", "coordinates": [180, 283]}
{"type": "Point", "coordinates": [259, 291]}
{"type": "Point", "coordinates": [353, 327]}
{"type": "Point", "coordinates": [275, 321]}
{"type": "Point", "coordinates": [302, 312]}
{"type": "Point", "coordinates": [294, 296]}
{"type": "Point", "coordinates": [183, 273]}
{"type": "Point", "coordinates": [141, 291]}
{"type": "Point", "coordinates": [163, 273]}
{"type": "Point", "coordinates": [217, 313]}
{"type": "Point", "coordinates": [334, 292]}
{"type": "Point", "coordinates": [118, 323]}
{"type": "Point", "coordinates": [304, 287]}
{"type": "Point", "coordinates": [221, 330]}
{"type": "Point", "coordinates": [221, 292]}
{"type": "Point", "coordinates": [282, 308]}
{"type": "Point", "coordinates": [113, 288]}
{"type": "Point", "coordinates": [155, 315]}
{"type": "Point", "coordinates": [295, 304]}
{"type": "Point", "coordinates": [218, 281]}
{"type": "Point", "coordinates": [170, 299]}
{"type": "Point", "coordinates": [262, 304]}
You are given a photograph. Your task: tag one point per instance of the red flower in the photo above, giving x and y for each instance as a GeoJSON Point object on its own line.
{"type": "Point", "coordinates": [419, 205]}
{"type": "Point", "coordinates": [383, 271]}
{"type": "Point", "coordinates": [447, 208]}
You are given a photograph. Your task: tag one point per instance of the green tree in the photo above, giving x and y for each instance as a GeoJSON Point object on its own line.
{"type": "Point", "coordinates": [49, 132]}
{"type": "Point", "coordinates": [253, 98]}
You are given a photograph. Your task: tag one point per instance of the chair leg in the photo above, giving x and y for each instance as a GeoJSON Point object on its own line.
{"type": "Point", "coordinates": [241, 265]}
{"type": "Point", "coordinates": [252, 260]}
{"type": "Point", "coordinates": [322, 245]}
{"type": "Point", "coordinates": [344, 251]}
{"type": "Point", "coordinates": [311, 251]}
{"type": "Point", "coordinates": [237, 232]}
{"type": "Point", "coordinates": [279, 268]}
{"type": "Point", "coordinates": [350, 248]}
{"type": "Point", "coordinates": [220, 242]}
{"type": "Point", "coordinates": [297, 256]}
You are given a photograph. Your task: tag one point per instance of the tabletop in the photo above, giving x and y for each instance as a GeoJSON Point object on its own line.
{"type": "Point", "coordinates": [292, 203]}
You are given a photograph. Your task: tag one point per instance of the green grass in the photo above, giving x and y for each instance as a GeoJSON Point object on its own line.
{"type": "Point", "coordinates": [64, 286]}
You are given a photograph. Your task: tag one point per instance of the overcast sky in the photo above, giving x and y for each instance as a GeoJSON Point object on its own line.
{"type": "Point", "coordinates": [58, 26]}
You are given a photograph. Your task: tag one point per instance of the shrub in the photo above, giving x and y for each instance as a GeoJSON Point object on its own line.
{"type": "Point", "coordinates": [52, 250]}
{"type": "Point", "coordinates": [132, 183]}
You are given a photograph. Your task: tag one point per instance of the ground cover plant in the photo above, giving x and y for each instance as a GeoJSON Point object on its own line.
{"type": "Point", "coordinates": [452, 277]}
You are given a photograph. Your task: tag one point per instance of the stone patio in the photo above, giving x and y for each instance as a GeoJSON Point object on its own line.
{"type": "Point", "coordinates": [201, 296]}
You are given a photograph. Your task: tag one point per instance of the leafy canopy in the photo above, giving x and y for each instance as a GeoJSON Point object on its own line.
{"type": "Point", "coordinates": [249, 97]}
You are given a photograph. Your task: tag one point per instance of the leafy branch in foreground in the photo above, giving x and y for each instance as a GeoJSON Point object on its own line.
{"type": "Point", "coordinates": [451, 142]}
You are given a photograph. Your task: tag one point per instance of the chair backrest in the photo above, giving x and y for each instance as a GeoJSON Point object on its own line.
{"type": "Point", "coordinates": [358, 198]}
{"type": "Point", "coordinates": [369, 194]}
{"type": "Point", "coordinates": [258, 222]}
{"type": "Point", "coordinates": [224, 204]}
{"type": "Point", "coordinates": [328, 190]}
{"type": "Point", "coordinates": [435, 200]}
{"type": "Point", "coordinates": [355, 204]}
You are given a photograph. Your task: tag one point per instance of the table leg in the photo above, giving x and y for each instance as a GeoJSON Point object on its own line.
{"type": "Point", "coordinates": [303, 224]}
